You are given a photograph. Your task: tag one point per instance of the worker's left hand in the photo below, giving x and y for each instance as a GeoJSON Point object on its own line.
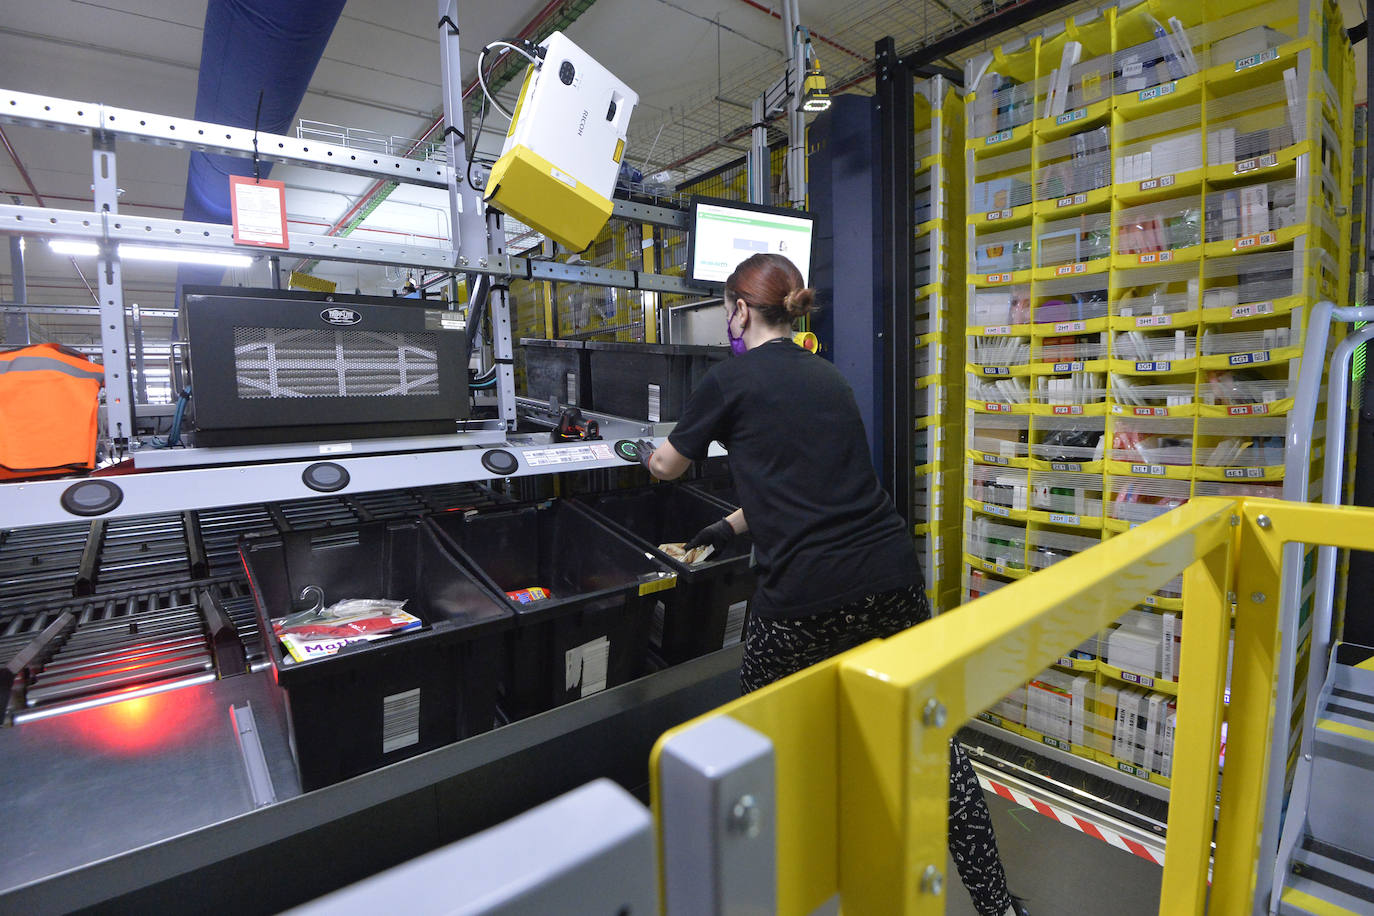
{"type": "Point", "coordinates": [645, 447]}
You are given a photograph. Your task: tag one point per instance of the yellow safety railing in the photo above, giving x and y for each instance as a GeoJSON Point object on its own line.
{"type": "Point", "coordinates": [861, 741]}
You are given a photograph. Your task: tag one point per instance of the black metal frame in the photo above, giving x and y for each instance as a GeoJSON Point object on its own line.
{"type": "Point", "coordinates": [896, 154]}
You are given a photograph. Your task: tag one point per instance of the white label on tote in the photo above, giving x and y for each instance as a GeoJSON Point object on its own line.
{"type": "Point", "coordinates": [734, 624]}
{"type": "Point", "coordinates": [585, 666]}
{"type": "Point", "coordinates": [400, 720]}
{"type": "Point", "coordinates": [655, 404]}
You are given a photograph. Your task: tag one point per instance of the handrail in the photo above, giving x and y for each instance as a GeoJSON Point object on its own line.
{"type": "Point", "coordinates": [860, 741]}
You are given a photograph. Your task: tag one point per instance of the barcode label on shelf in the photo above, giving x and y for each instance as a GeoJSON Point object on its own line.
{"type": "Point", "coordinates": [1062, 327]}
{"type": "Point", "coordinates": [1163, 181]}
{"type": "Point", "coordinates": [400, 720]}
{"type": "Point", "coordinates": [1132, 770]}
{"type": "Point", "coordinates": [1156, 366]}
{"type": "Point", "coordinates": [1155, 257]}
{"type": "Point", "coordinates": [1254, 308]}
{"type": "Point", "coordinates": [997, 330]}
{"type": "Point", "coordinates": [1244, 359]}
{"type": "Point", "coordinates": [568, 454]}
{"type": "Point", "coordinates": [1154, 470]}
{"type": "Point", "coordinates": [994, 407]}
{"type": "Point", "coordinates": [655, 403]}
{"type": "Point", "coordinates": [1268, 160]}
{"type": "Point", "coordinates": [1075, 366]}
{"type": "Point", "coordinates": [1066, 269]}
{"type": "Point", "coordinates": [1254, 241]}
{"type": "Point", "coordinates": [734, 623]}
{"type": "Point", "coordinates": [1065, 661]}
{"type": "Point", "coordinates": [999, 278]}
{"type": "Point", "coordinates": [1055, 742]}
{"type": "Point", "coordinates": [1058, 519]}
{"type": "Point", "coordinates": [1068, 410]}
{"type": "Point", "coordinates": [1242, 473]}
{"type": "Point", "coordinates": [1069, 117]}
{"type": "Point", "coordinates": [1065, 466]}
{"type": "Point", "coordinates": [989, 717]}
{"type": "Point", "coordinates": [1151, 600]}
{"type": "Point", "coordinates": [1148, 411]}
{"type": "Point", "coordinates": [996, 370]}
{"type": "Point", "coordinates": [1154, 321]}
{"type": "Point", "coordinates": [994, 215]}
{"type": "Point", "coordinates": [1140, 679]}
{"type": "Point", "coordinates": [585, 666]}
{"type": "Point", "coordinates": [1071, 200]}
{"type": "Point", "coordinates": [1156, 92]}
{"type": "Point", "coordinates": [999, 137]}
{"type": "Point", "coordinates": [995, 459]}
{"type": "Point", "coordinates": [1254, 60]}
{"type": "Point", "coordinates": [991, 509]}
{"type": "Point", "coordinates": [1248, 410]}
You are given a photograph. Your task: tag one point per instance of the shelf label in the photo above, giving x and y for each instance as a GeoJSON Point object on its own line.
{"type": "Point", "coordinates": [1149, 411]}
{"type": "Point", "coordinates": [1154, 321]}
{"type": "Point", "coordinates": [1156, 366]}
{"type": "Point", "coordinates": [997, 330]}
{"type": "Point", "coordinates": [999, 278]}
{"type": "Point", "coordinates": [994, 215]}
{"type": "Point", "coordinates": [1065, 466]}
{"type": "Point", "coordinates": [1243, 473]}
{"type": "Point", "coordinates": [1065, 410]}
{"type": "Point", "coordinates": [1248, 410]}
{"type": "Point", "coordinates": [1268, 160]}
{"type": "Point", "coordinates": [1155, 257]}
{"type": "Point", "coordinates": [1163, 181]}
{"type": "Point", "coordinates": [1065, 269]}
{"type": "Point", "coordinates": [540, 457]}
{"type": "Point", "coordinates": [1058, 519]}
{"type": "Point", "coordinates": [1055, 742]}
{"type": "Point", "coordinates": [1065, 661]}
{"type": "Point", "coordinates": [1254, 60]}
{"type": "Point", "coordinates": [1151, 600]}
{"type": "Point", "coordinates": [1153, 470]}
{"type": "Point", "coordinates": [989, 717]}
{"type": "Point", "coordinates": [1156, 92]}
{"type": "Point", "coordinates": [995, 407]}
{"type": "Point", "coordinates": [996, 370]}
{"type": "Point", "coordinates": [1132, 770]}
{"type": "Point", "coordinates": [1063, 327]}
{"type": "Point", "coordinates": [999, 137]}
{"type": "Point", "coordinates": [1069, 117]}
{"type": "Point", "coordinates": [1071, 200]}
{"type": "Point", "coordinates": [998, 568]}
{"type": "Point", "coordinates": [1254, 241]}
{"type": "Point", "coordinates": [992, 509]}
{"type": "Point", "coordinates": [990, 458]}
{"type": "Point", "coordinates": [1140, 679]}
{"type": "Point", "coordinates": [1253, 309]}
{"type": "Point", "coordinates": [1245, 359]}
{"type": "Point", "coordinates": [1075, 366]}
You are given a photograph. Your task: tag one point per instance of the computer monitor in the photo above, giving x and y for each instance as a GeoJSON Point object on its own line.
{"type": "Point", "coordinates": [722, 233]}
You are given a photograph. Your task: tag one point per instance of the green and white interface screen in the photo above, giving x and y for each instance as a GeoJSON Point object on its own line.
{"type": "Point", "coordinates": [725, 236]}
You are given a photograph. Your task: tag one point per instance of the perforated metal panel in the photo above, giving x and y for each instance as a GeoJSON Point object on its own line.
{"type": "Point", "coordinates": [333, 363]}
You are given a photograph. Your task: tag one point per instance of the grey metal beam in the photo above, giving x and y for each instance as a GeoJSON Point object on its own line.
{"type": "Point", "coordinates": [205, 137]}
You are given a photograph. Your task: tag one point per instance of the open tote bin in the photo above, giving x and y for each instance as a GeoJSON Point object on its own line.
{"type": "Point", "coordinates": [592, 632]}
{"type": "Point", "coordinates": [373, 703]}
{"type": "Point", "coordinates": [705, 611]}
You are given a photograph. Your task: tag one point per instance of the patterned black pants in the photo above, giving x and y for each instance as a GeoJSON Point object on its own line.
{"type": "Point", "coordinates": [774, 649]}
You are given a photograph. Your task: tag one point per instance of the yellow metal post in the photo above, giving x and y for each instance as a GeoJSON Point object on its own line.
{"type": "Point", "coordinates": [650, 299]}
{"type": "Point", "coordinates": [1197, 739]}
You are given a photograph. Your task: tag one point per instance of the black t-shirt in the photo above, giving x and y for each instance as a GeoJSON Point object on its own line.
{"type": "Point", "coordinates": [825, 532]}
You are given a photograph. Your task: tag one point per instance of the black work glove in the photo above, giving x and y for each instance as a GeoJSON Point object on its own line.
{"type": "Point", "coordinates": [645, 447]}
{"type": "Point", "coordinates": [717, 534]}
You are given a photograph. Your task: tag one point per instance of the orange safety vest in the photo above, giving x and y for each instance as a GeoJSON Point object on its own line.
{"type": "Point", "coordinates": [49, 398]}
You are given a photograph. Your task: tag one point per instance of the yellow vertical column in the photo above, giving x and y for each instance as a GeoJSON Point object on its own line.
{"type": "Point", "coordinates": [650, 300]}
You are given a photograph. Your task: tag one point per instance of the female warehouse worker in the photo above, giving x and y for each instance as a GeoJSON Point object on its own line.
{"type": "Point", "coordinates": [836, 565]}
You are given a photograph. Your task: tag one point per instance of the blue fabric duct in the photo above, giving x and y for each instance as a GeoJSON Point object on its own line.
{"type": "Point", "coordinates": [272, 46]}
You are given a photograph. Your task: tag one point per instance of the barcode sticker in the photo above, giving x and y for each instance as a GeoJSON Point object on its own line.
{"type": "Point", "coordinates": [585, 666]}
{"type": "Point", "coordinates": [400, 720]}
{"type": "Point", "coordinates": [656, 628]}
{"type": "Point", "coordinates": [734, 623]}
{"type": "Point", "coordinates": [655, 403]}
{"type": "Point", "coordinates": [572, 389]}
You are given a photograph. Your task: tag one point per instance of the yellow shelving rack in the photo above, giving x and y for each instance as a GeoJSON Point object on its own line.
{"type": "Point", "coordinates": [1158, 193]}
{"type": "Point", "coordinates": [938, 322]}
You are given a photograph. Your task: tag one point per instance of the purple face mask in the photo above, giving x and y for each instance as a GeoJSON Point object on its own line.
{"type": "Point", "coordinates": [737, 346]}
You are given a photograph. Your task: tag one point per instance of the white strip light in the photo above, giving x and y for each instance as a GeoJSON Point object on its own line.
{"type": "Point", "coordinates": [153, 253]}
{"type": "Point", "coordinates": [79, 249]}
{"type": "Point", "coordinates": [183, 256]}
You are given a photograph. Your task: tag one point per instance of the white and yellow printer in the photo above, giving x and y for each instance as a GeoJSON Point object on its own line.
{"type": "Point", "coordinates": [558, 169]}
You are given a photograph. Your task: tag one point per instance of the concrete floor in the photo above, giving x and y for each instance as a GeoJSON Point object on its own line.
{"type": "Point", "coordinates": [1062, 872]}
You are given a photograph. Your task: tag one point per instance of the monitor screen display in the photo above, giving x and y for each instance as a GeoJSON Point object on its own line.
{"type": "Point", "coordinates": [724, 233]}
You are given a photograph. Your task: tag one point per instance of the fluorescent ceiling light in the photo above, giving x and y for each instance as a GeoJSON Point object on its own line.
{"type": "Point", "coordinates": [183, 256]}
{"type": "Point", "coordinates": [67, 246]}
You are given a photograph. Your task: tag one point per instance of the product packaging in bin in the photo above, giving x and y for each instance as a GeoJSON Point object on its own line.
{"type": "Point", "coordinates": [372, 703]}
{"type": "Point", "coordinates": [592, 630]}
{"type": "Point", "coordinates": [706, 609]}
